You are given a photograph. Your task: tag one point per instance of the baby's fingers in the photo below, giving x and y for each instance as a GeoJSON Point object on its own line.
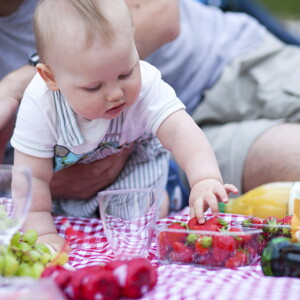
{"type": "Point", "coordinates": [197, 210]}
{"type": "Point", "coordinates": [212, 202]}
{"type": "Point", "coordinates": [199, 205]}
{"type": "Point", "coordinates": [221, 193]}
{"type": "Point", "coordinates": [230, 188]}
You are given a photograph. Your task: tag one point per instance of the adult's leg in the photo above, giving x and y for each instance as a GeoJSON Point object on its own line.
{"type": "Point", "coordinates": [274, 156]}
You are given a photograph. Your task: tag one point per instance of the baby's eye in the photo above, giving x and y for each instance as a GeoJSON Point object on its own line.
{"type": "Point", "coordinates": [125, 75]}
{"type": "Point", "coordinates": [93, 89]}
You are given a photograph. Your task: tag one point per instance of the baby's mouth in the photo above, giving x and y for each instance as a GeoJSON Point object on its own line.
{"type": "Point", "coordinates": [115, 109]}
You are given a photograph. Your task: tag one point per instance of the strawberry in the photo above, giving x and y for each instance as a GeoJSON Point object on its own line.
{"type": "Point", "coordinates": [242, 238]}
{"type": "Point", "coordinates": [218, 222]}
{"type": "Point", "coordinates": [100, 285]}
{"type": "Point", "coordinates": [224, 242]}
{"type": "Point", "coordinates": [271, 223]}
{"type": "Point", "coordinates": [223, 246]}
{"type": "Point", "coordinates": [181, 253]}
{"type": "Point", "coordinates": [169, 237]}
{"type": "Point", "coordinates": [218, 257]}
{"type": "Point", "coordinates": [287, 220]}
{"type": "Point", "coordinates": [209, 225]}
{"type": "Point", "coordinates": [135, 277]}
{"type": "Point", "coordinates": [194, 224]}
{"type": "Point", "coordinates": [240, 258]}
{"type": "Point", "coordinates": [203, 245]}
{"type": "Point", "coordinates": [76, 284]}
{"type": "Point", "coordinates": [59, 274]}
{"type": "Point", "coordinates": [162, 247]}
{"type": "Point", "coordinates": [177, 236]}
{"type": "Point", "coordinates": [253, 222]}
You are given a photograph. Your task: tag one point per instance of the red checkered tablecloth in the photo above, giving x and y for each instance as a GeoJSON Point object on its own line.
{"type": "Point", "coordinates": [181, 281]}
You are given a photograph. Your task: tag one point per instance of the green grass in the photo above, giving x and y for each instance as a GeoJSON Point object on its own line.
{"type": "Point", "coordinates": [287, 9]}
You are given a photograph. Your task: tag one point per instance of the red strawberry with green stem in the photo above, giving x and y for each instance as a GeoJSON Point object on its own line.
{"type": "Point", "coordinates": [177, 235]}
{"type": "Point", "coordinates": [272, 225]}
{"type": "Point", "coordinates": [286, 221]}
{"type": "Point", "coordinates": [218, 222]}
{"type": "Point", "coordinates": [203, 245]}
{"type": "Point", "coordinates": [252, 222]}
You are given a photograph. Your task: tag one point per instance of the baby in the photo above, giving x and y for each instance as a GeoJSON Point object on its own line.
{"type": "Point", "coordinates": [92, 97]}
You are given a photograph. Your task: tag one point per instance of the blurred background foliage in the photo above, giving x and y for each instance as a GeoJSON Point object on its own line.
{"type": "Point", "coordinates": [284, 9]}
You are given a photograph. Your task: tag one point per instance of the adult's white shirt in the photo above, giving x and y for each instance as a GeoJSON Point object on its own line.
{"type": "Point", "coordinates": [208, 41]}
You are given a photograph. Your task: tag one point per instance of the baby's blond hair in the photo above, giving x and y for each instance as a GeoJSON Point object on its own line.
{"type": "Point", "coordinates": [96, 15]}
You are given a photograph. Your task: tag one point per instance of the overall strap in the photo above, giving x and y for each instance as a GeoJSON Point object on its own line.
{"type": "Point", "coordinates": [67, 122]}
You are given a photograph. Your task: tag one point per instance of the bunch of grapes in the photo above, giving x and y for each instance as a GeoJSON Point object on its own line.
{"type": "Point", "coordinates": [25, 257]}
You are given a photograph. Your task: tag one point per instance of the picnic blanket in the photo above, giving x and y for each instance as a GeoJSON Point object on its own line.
{"type": "Point", "coordinates": [175, 281]}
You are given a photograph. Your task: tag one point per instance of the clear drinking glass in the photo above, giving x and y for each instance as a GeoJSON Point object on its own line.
{"type": "Point", "coordinates": [15, 199]}
{"type": "Point", "coordinates": [128, 218]}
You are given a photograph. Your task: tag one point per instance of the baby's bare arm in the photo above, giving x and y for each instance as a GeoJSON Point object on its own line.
{"type": "Point", "coordinates": [39, 217]}
{"type": "Point", "coordinates": [191, 149]}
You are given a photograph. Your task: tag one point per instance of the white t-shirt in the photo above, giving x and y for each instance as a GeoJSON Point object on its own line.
{"type": "Point", "coordinates": [16, 38]}
{"type": "Point", "coordinates": [37, 130]}
{"type": "Point", "coordinates": [209, 39]}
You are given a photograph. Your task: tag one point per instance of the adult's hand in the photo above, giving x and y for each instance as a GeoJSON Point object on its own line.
{"type": "Point", "coordinates": [82, 181]}
{"type": "Point", "coordinates": [156, 23]}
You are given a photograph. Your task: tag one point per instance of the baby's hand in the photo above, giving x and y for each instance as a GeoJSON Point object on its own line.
{"type": "Point", "coordinates": [207, 193]}
{"type": "Point", "coordinates": [55, 241]}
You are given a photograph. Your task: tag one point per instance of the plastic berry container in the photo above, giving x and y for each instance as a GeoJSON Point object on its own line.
{"type": "Point", "coordinates": [226, 248]}
{"type": "Point", "coordinates": [269, 230]}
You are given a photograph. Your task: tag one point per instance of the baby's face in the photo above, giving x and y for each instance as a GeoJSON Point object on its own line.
{"type": "Point", "coordinates": [101, 80]}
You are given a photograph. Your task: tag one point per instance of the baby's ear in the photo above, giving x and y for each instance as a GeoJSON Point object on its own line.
{"type": "Point", "coordinates": [48, 76]}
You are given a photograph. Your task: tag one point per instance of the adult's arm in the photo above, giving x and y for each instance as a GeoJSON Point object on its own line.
{"type": "Point", "coordinates": [12, 87]}
{"type": "Point", "coordinates": [83, 181]}
{"type": "Point", "coordinates": [157, 22]}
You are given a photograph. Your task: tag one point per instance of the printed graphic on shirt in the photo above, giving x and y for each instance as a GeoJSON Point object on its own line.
{"type": "Point", "coordinates": [63, 157]}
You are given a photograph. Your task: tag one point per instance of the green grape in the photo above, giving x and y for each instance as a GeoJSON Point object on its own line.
{"type": "Point", "coordinates": [10, 265]}
{"type": "Point", "coordinates": [24, 247]}
{"type": "Point", "coordinates": [30, 236]}
{"type": "Point", "coordinates": [25, 257]}
{"type": "Point", "coordinates": [34, 255]}
{"type": "Point", "coordinates": [24, 269]}
{"type": "Point", "coordinates": [42, 248]}
{"type": "Point", "coordinates": [45, 258]}
{"type": "Point", "coordinates": [15, 240]}
{"type": "Point", "coordinates": [37, 269]}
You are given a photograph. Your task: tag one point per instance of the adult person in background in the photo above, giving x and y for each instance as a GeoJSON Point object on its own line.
{"type": "Point", "coordinates": [240, 84]}
{"type": "Point", "coordinates": [237, 80]}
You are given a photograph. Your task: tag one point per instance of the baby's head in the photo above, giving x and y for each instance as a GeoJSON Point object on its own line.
{"type": "Point", "coordinates": [62, 25]}
{"type": "Point", "coordinates": [86, 46]}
